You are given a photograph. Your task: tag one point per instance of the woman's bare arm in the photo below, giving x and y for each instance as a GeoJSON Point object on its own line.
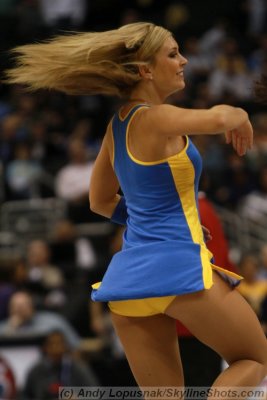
{"type": "Point", "coordinates": [104, 185]}
{"type": "Point", "coordinates": [173, 120]}
{"type": "Point", "coordinates": [169, 120]}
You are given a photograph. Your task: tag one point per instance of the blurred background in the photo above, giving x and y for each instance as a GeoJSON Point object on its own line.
{"type": "Point", "coordinates": [52, 247]}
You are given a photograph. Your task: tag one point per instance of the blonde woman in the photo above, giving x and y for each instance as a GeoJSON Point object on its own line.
{"type": "Point", "coordinates": [164, 271]}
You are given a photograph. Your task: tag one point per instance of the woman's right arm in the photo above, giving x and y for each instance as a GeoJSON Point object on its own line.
{"type": "Point", "coordinates": [176, 120]}
{"type": "Point", "coordinates": [169, 120]}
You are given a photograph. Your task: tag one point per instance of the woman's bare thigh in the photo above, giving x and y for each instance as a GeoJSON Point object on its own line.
{"type": "Point", "coordinates": [151, 347]}
{"type": "Point", "coordinates": [222, 319]}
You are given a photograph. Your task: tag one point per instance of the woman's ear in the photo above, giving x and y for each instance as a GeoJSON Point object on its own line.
{"type": "Point", "coordinates": [145, 72]}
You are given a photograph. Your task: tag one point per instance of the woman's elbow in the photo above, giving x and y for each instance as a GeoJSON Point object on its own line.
{"type": "Point", "coordinates": [101, 204]}
{"type": "Point", "coordinates": [94, 205]}
{"type": "Point", "coordinates": [97, 207]}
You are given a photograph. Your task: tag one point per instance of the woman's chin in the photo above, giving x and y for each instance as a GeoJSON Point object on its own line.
{"type": "Point", "coordinates": [178, 88]}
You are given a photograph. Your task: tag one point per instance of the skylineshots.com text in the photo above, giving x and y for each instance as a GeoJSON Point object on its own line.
{"type": "Point", "coordinates": [154, 393]}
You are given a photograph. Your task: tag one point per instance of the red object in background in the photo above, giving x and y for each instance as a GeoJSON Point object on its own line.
{"type": "Point", "coordinates": [218, 245]}
{"type": "Point", "coordinates": [54, 388]}
{"type": "Point", "coordinates": [7, 381]}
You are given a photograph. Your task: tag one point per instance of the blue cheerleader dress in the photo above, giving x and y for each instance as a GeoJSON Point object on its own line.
{"type": "Point", "coordinates": [163, 250]}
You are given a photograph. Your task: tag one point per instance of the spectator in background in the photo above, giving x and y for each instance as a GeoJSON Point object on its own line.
{"type": "Point", "coordinates": [83, 131]}
{"type": "Point", "coordinates": [256, 16]}
{"type": "Point", "coordinates": [63, 14]}
{"type": "Point", "coordinates": [7, 381]}
{"type": "Point", "coordinates": [199, 62]}
{"type": "Point", "coordinates": [236, 181]}
{"type": "Point", "coordinates": [262, 273]}
{"type": "Point", "coordinates": [25, 322]}
{"type": "Point", "coordinates": [45, 281]}
{"type": "Point", "coordinates": [56, 368]}
{"type": "Point", "coordinates": [253, 289]}
{"type": "Point", "coordinates": [53, 292]}
{"type": "Point", "coordinates": [231, 72]}
{"type": "Point", "coordinates": [8, 9]}
{"type": "Point", "coordinates": [5, 108]}
{"type": "Point", "coordinates": [254, 205]}
{"type": "Point", "coordinates": [218, 244]}
{"type": "Point", "coordinates": [72, 182]}
{"type": "Point", "coordinates": [26, 105]}
{"type": "Point", "coordinates": [261, 88]}
{"type": "Point", "coordinates": [23, 174]}
{"type": "Point", "coordinates": [71, 252]}
{"type": "Point", "coordinates": [38, 139]}
{"type": "Point", "coordinates": [258, 156]}
{"type": "Point", "coordinates": [210, 43]}
{"type": "Point", "coordinates": [257, 58]}
{"type": "Point", "coordinates": [26, 21]}
{"type": "Point", "coordinates": [10, 127]}
{"type": "Point", "coordinates": [7, 287]}
{"type": "Point", "coordinates": [41, 153]}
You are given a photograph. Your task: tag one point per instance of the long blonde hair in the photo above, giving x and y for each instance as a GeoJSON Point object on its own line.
{"type": "Point", "coordinates": [89, 63]}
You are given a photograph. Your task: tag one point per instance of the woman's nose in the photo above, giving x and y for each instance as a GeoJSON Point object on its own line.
{"type": "Point", "coordinates": [183, 60]}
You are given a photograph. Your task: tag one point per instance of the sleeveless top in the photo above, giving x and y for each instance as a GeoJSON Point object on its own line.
{"type": "Point", "coordinates": [163, 250]}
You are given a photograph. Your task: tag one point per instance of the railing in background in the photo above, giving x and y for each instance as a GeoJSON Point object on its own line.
{"type": "Point", "coordinates": [243, 234]}
{"type": "Point", "coordinates": [23, 221]}
{"type": "Point", "coordinates": [28, 219]}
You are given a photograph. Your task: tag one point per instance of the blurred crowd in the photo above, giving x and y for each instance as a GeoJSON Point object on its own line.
{"type": "Point", "coordinates": [47, 138]}
{"type": "Point", "coordinates": [48, 144]}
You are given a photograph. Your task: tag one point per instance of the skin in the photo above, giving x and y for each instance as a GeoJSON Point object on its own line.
{"type": "Point", "coordinates": [55, 346]}
{"type": "Point", "coordinates": [20, 309]}
{"type": "Point", "coordinates": [219, 317]}
{"type": "Point", "coordinates": [150, 138]}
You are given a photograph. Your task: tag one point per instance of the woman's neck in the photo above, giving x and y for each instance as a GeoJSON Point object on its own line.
{"type": "Point", "coordinates": [146, 95]}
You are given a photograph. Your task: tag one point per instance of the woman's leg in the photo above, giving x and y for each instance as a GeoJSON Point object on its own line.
{"type": "Point", "coordinates": [222, 319]}
{"type": "Point", "coordinates": [151, 347]}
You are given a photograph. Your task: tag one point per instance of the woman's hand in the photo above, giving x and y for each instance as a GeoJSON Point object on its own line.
{"type": "Point", "coordinates": [241, 138]}
{"type": "Point", "coordinates": [206, 233]}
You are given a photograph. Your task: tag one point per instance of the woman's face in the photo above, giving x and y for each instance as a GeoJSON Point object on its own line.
{"type": "Point", "coordinates": [167, 70]}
